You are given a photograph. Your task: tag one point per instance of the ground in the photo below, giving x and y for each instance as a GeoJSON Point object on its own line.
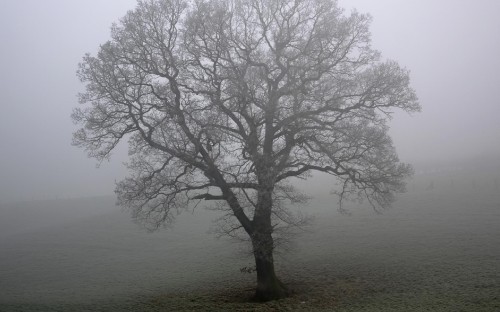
{"type": "Point", "coordinates": [437, 249]}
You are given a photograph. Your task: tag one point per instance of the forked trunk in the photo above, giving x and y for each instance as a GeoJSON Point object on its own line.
{"type": "Point", "coordinates": [269, 287]}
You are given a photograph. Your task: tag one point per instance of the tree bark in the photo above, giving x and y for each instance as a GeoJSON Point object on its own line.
{"type": "Point", "coordinates": [269, 287]}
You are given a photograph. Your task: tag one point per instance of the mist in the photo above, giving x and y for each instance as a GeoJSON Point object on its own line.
{"type": "Point", "coordinates": [43, 42]}
{"type": "Point", "coordinates": [450, 47]}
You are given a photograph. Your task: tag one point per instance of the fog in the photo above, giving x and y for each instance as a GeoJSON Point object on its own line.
{"type": "Point", "coordinates": [451, 48]}
{"type": "Point", "coordinates": [65, 246]}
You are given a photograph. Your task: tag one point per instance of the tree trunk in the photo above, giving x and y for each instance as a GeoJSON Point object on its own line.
{"type": "Point", "coordinates": [269, 287]}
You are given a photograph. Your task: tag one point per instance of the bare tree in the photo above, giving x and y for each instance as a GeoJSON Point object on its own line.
{"type": "Point", "coordinates": [229, 100]}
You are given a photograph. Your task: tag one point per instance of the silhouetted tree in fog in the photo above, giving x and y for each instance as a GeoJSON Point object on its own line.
{"type": "Point", "coordinates": [230, 100]}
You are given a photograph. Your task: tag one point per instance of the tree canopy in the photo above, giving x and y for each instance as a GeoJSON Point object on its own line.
{"type": "Point", "coordinates": [230, 100]}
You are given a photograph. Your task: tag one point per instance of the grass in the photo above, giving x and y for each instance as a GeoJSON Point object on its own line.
{"type": "Point", "coordinates": [436, 250]}
{"type": "Point", "coordinates": [438, 254]}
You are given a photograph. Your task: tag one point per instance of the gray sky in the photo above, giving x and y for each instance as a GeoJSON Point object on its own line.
{"type": "Point", "coordinates": [450, 46]}
{"type": "Point", "coordinates": [452, 49]}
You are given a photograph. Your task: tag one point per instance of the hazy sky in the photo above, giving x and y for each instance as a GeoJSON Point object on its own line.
{"type": "Point", "coordinates": [450, 46]}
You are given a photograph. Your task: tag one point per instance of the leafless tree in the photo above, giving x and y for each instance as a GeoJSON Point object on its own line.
{"type": "Point", "coordinates": [230, 100]}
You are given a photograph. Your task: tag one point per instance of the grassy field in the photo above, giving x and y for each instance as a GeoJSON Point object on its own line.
{"type": "Point", "coordinates": [437, 249]}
